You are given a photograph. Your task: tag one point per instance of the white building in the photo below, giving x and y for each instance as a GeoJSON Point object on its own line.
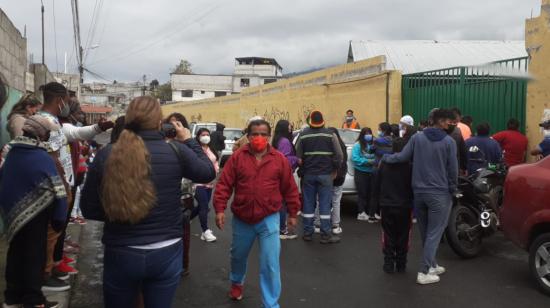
{"type": "Point", "coordinates": [248, 72]}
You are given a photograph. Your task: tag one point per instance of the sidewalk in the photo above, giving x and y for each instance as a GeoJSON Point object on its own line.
{"type": "Point", "coordinates": [61, 297]}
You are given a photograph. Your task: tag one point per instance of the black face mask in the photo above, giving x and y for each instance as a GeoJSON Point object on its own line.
{"type": "Point", "coordinates": [451, 129]}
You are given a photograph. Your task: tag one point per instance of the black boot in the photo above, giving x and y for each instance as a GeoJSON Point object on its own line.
{"type": "Point", "coordinates": [401, 263]}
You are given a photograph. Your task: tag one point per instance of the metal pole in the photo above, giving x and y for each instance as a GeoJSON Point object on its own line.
{"type": "Point", "coordinates": [43, 62]}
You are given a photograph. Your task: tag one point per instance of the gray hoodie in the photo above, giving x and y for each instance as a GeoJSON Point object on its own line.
{"type": "Point", "coordinates": [435, 164]}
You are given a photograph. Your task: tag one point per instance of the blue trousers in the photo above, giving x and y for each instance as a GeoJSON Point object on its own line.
{"type": "Point", "coordinates": [203, 196]}
{"type": "Point", "coordinates": [317, 188]}
{"type": "Point", "coordinates": [267, 233]}
{"type": "Point", "coordinates": [155, 272]}
{"type": "Point", "coordinates": [432, 214]}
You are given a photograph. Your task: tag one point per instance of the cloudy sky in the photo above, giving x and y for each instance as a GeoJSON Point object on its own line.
{"type": "Point", "coordinates": [138, 37]}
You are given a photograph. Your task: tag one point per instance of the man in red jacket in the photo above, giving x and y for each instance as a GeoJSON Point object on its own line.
{"type": "Point", "coordinates": [261, 179]}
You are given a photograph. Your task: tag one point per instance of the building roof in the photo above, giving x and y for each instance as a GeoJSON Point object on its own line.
{"type": "Point", "coordinates": [260, 60]}
{"type": "Point", "coordinates": [420, 56]}
{"type": "Point", "coordinates": [95, 109]}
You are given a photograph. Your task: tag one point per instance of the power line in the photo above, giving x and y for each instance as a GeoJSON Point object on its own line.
{"type": "Point", "coordinates": [161, 39]}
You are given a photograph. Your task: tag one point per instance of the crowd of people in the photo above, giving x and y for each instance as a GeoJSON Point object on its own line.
{"type": "Point", "coordinates": [52, 171]}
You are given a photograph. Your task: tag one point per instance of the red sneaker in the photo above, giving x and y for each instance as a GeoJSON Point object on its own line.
{"type": "Point", "coordinates": [66, 268]}
{"type": "Point", "coordinates": [236, 292]}
{"type": "Point", "coordinates": [68, 260]}
{"type": "Point", "coordinates": [81, 221]}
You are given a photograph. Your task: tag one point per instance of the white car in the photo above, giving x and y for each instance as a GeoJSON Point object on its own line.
{"type": "Point", "coordinates": [231, 136]}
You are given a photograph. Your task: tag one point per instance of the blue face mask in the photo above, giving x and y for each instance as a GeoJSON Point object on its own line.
{"type": "Point", "coordinates": [368, 138]}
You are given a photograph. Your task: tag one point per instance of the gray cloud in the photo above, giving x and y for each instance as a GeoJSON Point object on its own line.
{"type": "Point", "coordinates": [139, 37]}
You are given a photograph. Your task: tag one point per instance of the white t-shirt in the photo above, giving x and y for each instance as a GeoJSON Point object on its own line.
{"type": "Point", "coordinates": [58, 142]}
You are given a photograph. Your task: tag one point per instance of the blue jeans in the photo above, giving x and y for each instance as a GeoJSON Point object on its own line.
{"type": "Point", "coordinates": [283, 217]}
{"type": "Point", "coordinates": [244, 235]}
{"type": "Point", "coordinates": [129, 271]}
{"type": "Point", "coordinates": [317, 188]}
{"type": "Point", "coordinates": [203, 196]}
{"type": "Point", "coordinates": [432, 214]}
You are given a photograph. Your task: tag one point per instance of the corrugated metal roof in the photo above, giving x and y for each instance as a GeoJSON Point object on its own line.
{"type": "Point", "coordinates": [420, 56]}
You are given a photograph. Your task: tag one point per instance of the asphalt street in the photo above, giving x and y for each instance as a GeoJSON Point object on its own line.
{"type": "Point", "coordinates": [348, 274]}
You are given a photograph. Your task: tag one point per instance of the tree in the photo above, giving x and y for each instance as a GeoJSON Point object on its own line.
{"type": "Point", "coordinates": [164, 92]}
{"type": "Point", "coordinates": [153, 85]}
{"type": "Point", "coordinates": [183, 68]}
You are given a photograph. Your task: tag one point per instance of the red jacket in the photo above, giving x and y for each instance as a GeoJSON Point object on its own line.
{"type": "Point", "coordinates": [514, 146]}
{"type": "Point", "coordinates": [260, 186]}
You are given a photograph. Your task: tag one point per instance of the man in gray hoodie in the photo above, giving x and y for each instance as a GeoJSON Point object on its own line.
{"type": "Point", "coordinates": [434, 180]}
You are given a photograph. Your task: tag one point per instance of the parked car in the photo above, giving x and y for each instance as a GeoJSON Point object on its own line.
{"type": "Point", "coordinates": [231, 135]}
{"type": "Point", "coordinates": [525, 216]}
{"type": "Point", "coordinates": [194, 127]}
{"type": "Point", "coordinates": [349, 137]}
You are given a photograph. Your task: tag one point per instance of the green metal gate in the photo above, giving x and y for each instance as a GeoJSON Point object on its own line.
{"type": "Point", "coordinates": [494, 92]}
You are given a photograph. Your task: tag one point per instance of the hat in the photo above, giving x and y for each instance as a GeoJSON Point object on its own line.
{"type": "Point", "coordinates": [545, 124]}
{"type": "Point", "coordinates": [316, 119]}
{"type": "Point", "coordinates": [39, 127]}
{"type": "Point", "coordinates": [408, 120]}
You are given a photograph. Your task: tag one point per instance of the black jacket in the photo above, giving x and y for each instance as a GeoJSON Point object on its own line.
{"type": "Point", "coordinates": [320, 151]}
{"type": "Point", "coordinates": [343, 170]}
{"type": "Point", "coordinates": [460, 148]}
{"type": "Point", "coordinates": [164, 221]}
{"type": "Point", "coordinates": [392, 185]}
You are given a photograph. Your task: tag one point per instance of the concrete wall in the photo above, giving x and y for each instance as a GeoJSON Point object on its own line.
{"type": "Point", "coordinates": [13, 54]}
{"type": "Point", "coordinates": [258, 69]}
{"type": "Point", "coordinates": [362, 86]}
{"type": "Point", "coordinates": [537, 41]}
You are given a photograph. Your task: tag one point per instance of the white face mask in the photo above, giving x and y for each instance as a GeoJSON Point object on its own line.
{"type": "Point", "coordinates": [546, 133]}
{"type": "Point", "coordinates": [204, 139]}
{"type": "Point", "coordinates": [402, 132]}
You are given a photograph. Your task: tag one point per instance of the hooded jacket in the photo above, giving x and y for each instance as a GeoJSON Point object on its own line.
{"type": "Point", "coordinates": [435, 167]}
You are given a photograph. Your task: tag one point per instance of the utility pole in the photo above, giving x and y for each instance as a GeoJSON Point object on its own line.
{"type": "Point", "coordinates": [144, 86]}
{"type": "Point", "coordinates": [43, 62]}
{"type": "Point", "coordinates": [78, 44]}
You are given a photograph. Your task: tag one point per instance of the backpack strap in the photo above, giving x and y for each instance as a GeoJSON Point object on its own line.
{"type": "Point", "coordinates": [178, 153]}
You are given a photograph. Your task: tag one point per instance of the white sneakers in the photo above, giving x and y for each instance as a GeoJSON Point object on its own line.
{"type": "Point", "coordinates": [362, 216]}
{"type": "Point", "coordinates": [377, 217]}
{"type": "Point", "coordinates": [432, 276]}
{"type": "Point", "coordinates": [426, 278]}
{"type": "Point", "coordinates": [438, 270]}
{"type": "Point", "coordinates": [208, 236]}
{"type": "Point", "coordinates": [336, 230]}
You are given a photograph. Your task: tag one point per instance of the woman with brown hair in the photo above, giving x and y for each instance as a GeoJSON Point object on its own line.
{"type": "Point", "coordinates": [27, 106]}
{"type": "Point", "coordinates": [134, 186]}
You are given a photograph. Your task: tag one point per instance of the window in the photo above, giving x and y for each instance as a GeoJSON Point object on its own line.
{"type": "Point", "coordinates": [202, 92]}
{"type": "Point", "coordinates": [245, 82]}
{"type": "Point", "coordinates": [271, 80]}
{"type": "Point", "coordinates": [187, 93]}
{"type": "Point", "coordinates": [219, 93]}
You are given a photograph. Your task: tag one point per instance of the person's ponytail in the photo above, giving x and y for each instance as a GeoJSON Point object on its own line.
{"type": "Point", "coordinates": [128, 193]}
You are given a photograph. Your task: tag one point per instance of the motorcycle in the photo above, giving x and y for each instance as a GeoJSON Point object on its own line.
{"type": "Point", "coordinates": [474, 214]}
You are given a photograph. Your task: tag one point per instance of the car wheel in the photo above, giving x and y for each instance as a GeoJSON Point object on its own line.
{"type": "Point", "coordinates": [539, 262]}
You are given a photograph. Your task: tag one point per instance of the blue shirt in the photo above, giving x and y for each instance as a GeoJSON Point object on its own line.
{"type": "Point", "coordinates": [544, 146]}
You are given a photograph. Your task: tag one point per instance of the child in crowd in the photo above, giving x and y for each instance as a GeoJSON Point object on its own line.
{"type": "Point", "coordinates": [393, 193]}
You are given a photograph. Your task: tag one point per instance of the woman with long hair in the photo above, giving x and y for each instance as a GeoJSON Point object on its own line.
{"type": "Point", "coordinates": [27, 106]}
{"type": "Point", "coordinates": [134, 185]}
{"type": "Point", "coordinates": [203, 192]}
{"type": "Point", "coordinates": [363, 159]}
{"type": "Point", "coordinates": [282, 141]}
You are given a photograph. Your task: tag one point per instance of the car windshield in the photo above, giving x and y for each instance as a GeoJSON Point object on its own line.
{"type": "Point", "coordinates": [232, 134]}
{"type": "Point", "coordinates": [348, 136]}
{"type": "Point", "coordinates": [210, 127]}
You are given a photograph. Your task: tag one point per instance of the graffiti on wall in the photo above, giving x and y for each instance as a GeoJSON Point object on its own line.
{"type": "Point", "coordinates": [274, 114]}
{"type": "Point", "coordinates": [196, 118]}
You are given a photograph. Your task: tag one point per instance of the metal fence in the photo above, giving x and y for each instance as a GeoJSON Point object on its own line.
{"type": "Point", "coordinates": [494, 92]}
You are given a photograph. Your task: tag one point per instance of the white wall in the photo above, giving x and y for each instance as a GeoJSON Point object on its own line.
{"type": "Point", "coordinates": [201, 82]}
{"type": "Point", "coordinates": [258, 69]}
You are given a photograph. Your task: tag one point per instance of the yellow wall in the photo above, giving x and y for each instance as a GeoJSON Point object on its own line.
{"type": "Point", "coordinates": [537, 41]}
{"type": "Point", "coordinates": [360, 86]}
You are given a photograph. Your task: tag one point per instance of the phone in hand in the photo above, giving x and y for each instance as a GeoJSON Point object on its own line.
{"type": "Point", "coordinates": [169, 130]}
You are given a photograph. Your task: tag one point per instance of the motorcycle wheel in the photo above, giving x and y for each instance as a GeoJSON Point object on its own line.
{"type": "Point", "coordinates": [461, 219]}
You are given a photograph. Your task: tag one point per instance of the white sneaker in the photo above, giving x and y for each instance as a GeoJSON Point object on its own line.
{"type": "Point", "coordinates": [11, 306]}
{"type": "Point", "coordinates": [362, 216]}
{"type": "Point", "coordinates": [208, 236]}
{"type": "Point", "coordinates": [414, 220]}
{"type": "Point", "coordinates": [438, 270]}
{"type": "Point", "coordinates": [317, 230]}
{"type": "Point", "coordinates": [426, 278]}
{"type": "Point", "coordinates": [336, 230]}
{"type": "Point", "coordinates": [377, 217]}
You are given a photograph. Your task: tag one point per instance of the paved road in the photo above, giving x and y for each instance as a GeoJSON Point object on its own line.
{"type": "Point", "coordinates": [348, 274]}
